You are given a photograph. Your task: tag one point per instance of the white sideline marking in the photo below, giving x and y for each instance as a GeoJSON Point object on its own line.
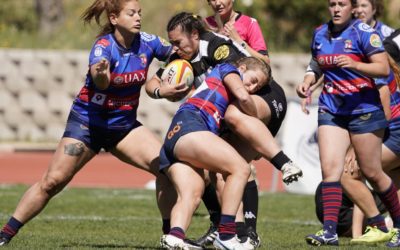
{"type": "Point", "coordinates": [88, 218]}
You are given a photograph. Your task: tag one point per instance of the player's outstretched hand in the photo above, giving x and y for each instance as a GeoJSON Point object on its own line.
{"type": "Point", "coordinates": [102, 67]}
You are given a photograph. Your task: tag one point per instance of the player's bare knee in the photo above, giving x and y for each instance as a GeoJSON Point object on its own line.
{"type": "Point", "coordinates": [373, 176]}
{"type": "Point", "coordinates": [244, 171]}
{"type": "Point", "coordinates": [197, 199]}
{"type": "Point", "coordinates": [233, 119]}
{"type": "Point", "coordinates": [51, 185]}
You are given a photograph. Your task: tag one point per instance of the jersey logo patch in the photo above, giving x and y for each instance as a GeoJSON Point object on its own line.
{"type": "Point", "coordinates": [99, 98]}
{"type": "Point", "coordinates": [221, 52]}
{"type": "Point", "coordinates": [103, 42]}
{"type": "Point", "coordinates": [375, 41]}
{"type": "Point", "coordinates": [164, 42]}
{"type": "Point", "coordinates": [147, 37]}
{"type": "Point", "coordinates": [98, 51]}
{"type": "Point", "coordinates": [365, 27]}
{"type": "Point", "coordinates": [143, 60]}
{"type": "Point", "coordinates": [366, 117]}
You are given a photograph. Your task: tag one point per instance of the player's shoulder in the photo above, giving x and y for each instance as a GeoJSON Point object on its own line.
{"type": "Point", "coordinates": [361, 27]}
{"type": "Point", "coordinates": [246, 20]}
{"type": "Point", "coordinates": [383, 29]}
{"type": "Point", "coordinates": [153, 39]}
{"type": "Point", "coordinates": [104, 41]}
{"type": "Point", "coordinates": [322, 28]}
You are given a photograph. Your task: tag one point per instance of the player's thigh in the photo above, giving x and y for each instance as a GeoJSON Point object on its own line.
{"type": "Point", "coordinates": [70, 156]}
{"type": "Point", "coordinates": [368, 148]}
{"type": "Point", "coordinates": [234, 114]}
{"type": "Point", "coordinates": [206, 150]}
{"type": "Point", "coordinates": [391, 149]}
{"type": "Point", "coordinates": [333, 142]}
{"type": "Point", "coordinates": [139, 148]}
{"type": "Point", "coordinates": [389, 159]}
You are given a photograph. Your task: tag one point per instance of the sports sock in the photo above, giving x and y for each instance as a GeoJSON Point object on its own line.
{"type": "Point", "coordinates": [379, 222]}
{"type": "Point", "coordinates": [211, 202]}
{"type": "Point", "coordinates": [279, 160]}
{"type": "Point", "coordinates": [11, 228]}
{"type": "Point", "coordinates": [241, 231]}
{"type": "Point", "coordinates": [250, 204]}
{"type": "Point", "coordinates": [391, 201]}
{"type": "Point", "coordinates": [166, 226]}
{"type": "Point", "coordinates": [331, 200]}
{"type": "Point", "coordinates": [227, 227]}
{"type": "Point", "coordinates": [177, 232]}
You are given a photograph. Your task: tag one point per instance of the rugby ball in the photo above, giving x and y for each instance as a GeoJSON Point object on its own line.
{"type": "Point", "coordinates": [178, 71]}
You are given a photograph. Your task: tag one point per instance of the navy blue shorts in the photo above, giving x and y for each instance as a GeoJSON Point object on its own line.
{"type": "Point", "coordinates": [356, 124]}
{"type": "Point", "coordinates": [94, 137]}
{"type": "Point", "coordinates": [392, 140]}
{"type": "Point", "coordinates": [184, 122]}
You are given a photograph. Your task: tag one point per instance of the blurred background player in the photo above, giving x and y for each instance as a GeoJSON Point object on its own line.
{"type": "Point", "coordinates": [103, 114]}
{"type": "Point", "coordinates": [369, 11]}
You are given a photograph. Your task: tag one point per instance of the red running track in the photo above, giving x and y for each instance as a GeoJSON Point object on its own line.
{"type": "Point", "coordinates": [104, 171]}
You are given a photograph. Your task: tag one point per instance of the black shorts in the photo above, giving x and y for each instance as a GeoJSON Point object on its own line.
{"type": "Point", "coordinates": [274, 96]}
{"type": "Point", "coordinates": [345, 217]}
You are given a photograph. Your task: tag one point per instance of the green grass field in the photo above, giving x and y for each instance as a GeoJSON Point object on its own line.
{"type": "Point", "coordinates": [128, 219]}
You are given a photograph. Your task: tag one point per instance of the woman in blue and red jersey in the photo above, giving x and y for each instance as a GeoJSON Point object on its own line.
{"type": "Point", "coordinates": [104, 113]}
{"type": "Point", "coordinates": [369, 11]}
{"type": "Point", "coordinates": [349, 54]}
{"type": "Point", "coordinates": [352, 181]}
{"type": "Point", "coordinates": [193, 144]}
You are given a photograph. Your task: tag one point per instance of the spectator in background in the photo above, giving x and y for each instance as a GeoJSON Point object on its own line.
{"type": "Point", "coordinates": [104, 113]}
{"type": "Point", "coordinates": [242, 29]}
{"type": "Point", "coordinates": [349, 112]}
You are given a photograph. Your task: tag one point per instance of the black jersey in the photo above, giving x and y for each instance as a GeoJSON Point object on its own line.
{"type": "Point", "coordinates": [274, 95]}
{"type": "Point", "coordinates": [213, 49]}
{"type": "Point", "coordinates": [392, 45]}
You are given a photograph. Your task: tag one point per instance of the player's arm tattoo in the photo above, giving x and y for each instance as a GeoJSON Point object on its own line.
{"type": "Point", "coordinates": [74, 149]}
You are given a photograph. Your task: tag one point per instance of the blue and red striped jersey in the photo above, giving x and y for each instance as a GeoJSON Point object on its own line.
{"type": "Point", "coordinates": [212, 98]}
{"type": "Point", "coordinates": [116, 106]}
{"type": "Point", "coordinates": [346, 91]}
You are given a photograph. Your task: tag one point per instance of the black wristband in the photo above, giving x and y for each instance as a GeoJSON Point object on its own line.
{"type": "Point", "coordinates": [156, 93]}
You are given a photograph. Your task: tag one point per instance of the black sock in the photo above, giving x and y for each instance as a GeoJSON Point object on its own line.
{"type": "Point", "coordinates": [166, 226]}
{"type": "Point", "coordinates": [241, 231]}
{"type": "Point", "coordinates": [11, 228]}
{"type": "Point", "coordinates": [279, 160]}
{"type": "Point", "coordinates": [250, 204]}
{"type": "Point", "coordinates": [211, 202]}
